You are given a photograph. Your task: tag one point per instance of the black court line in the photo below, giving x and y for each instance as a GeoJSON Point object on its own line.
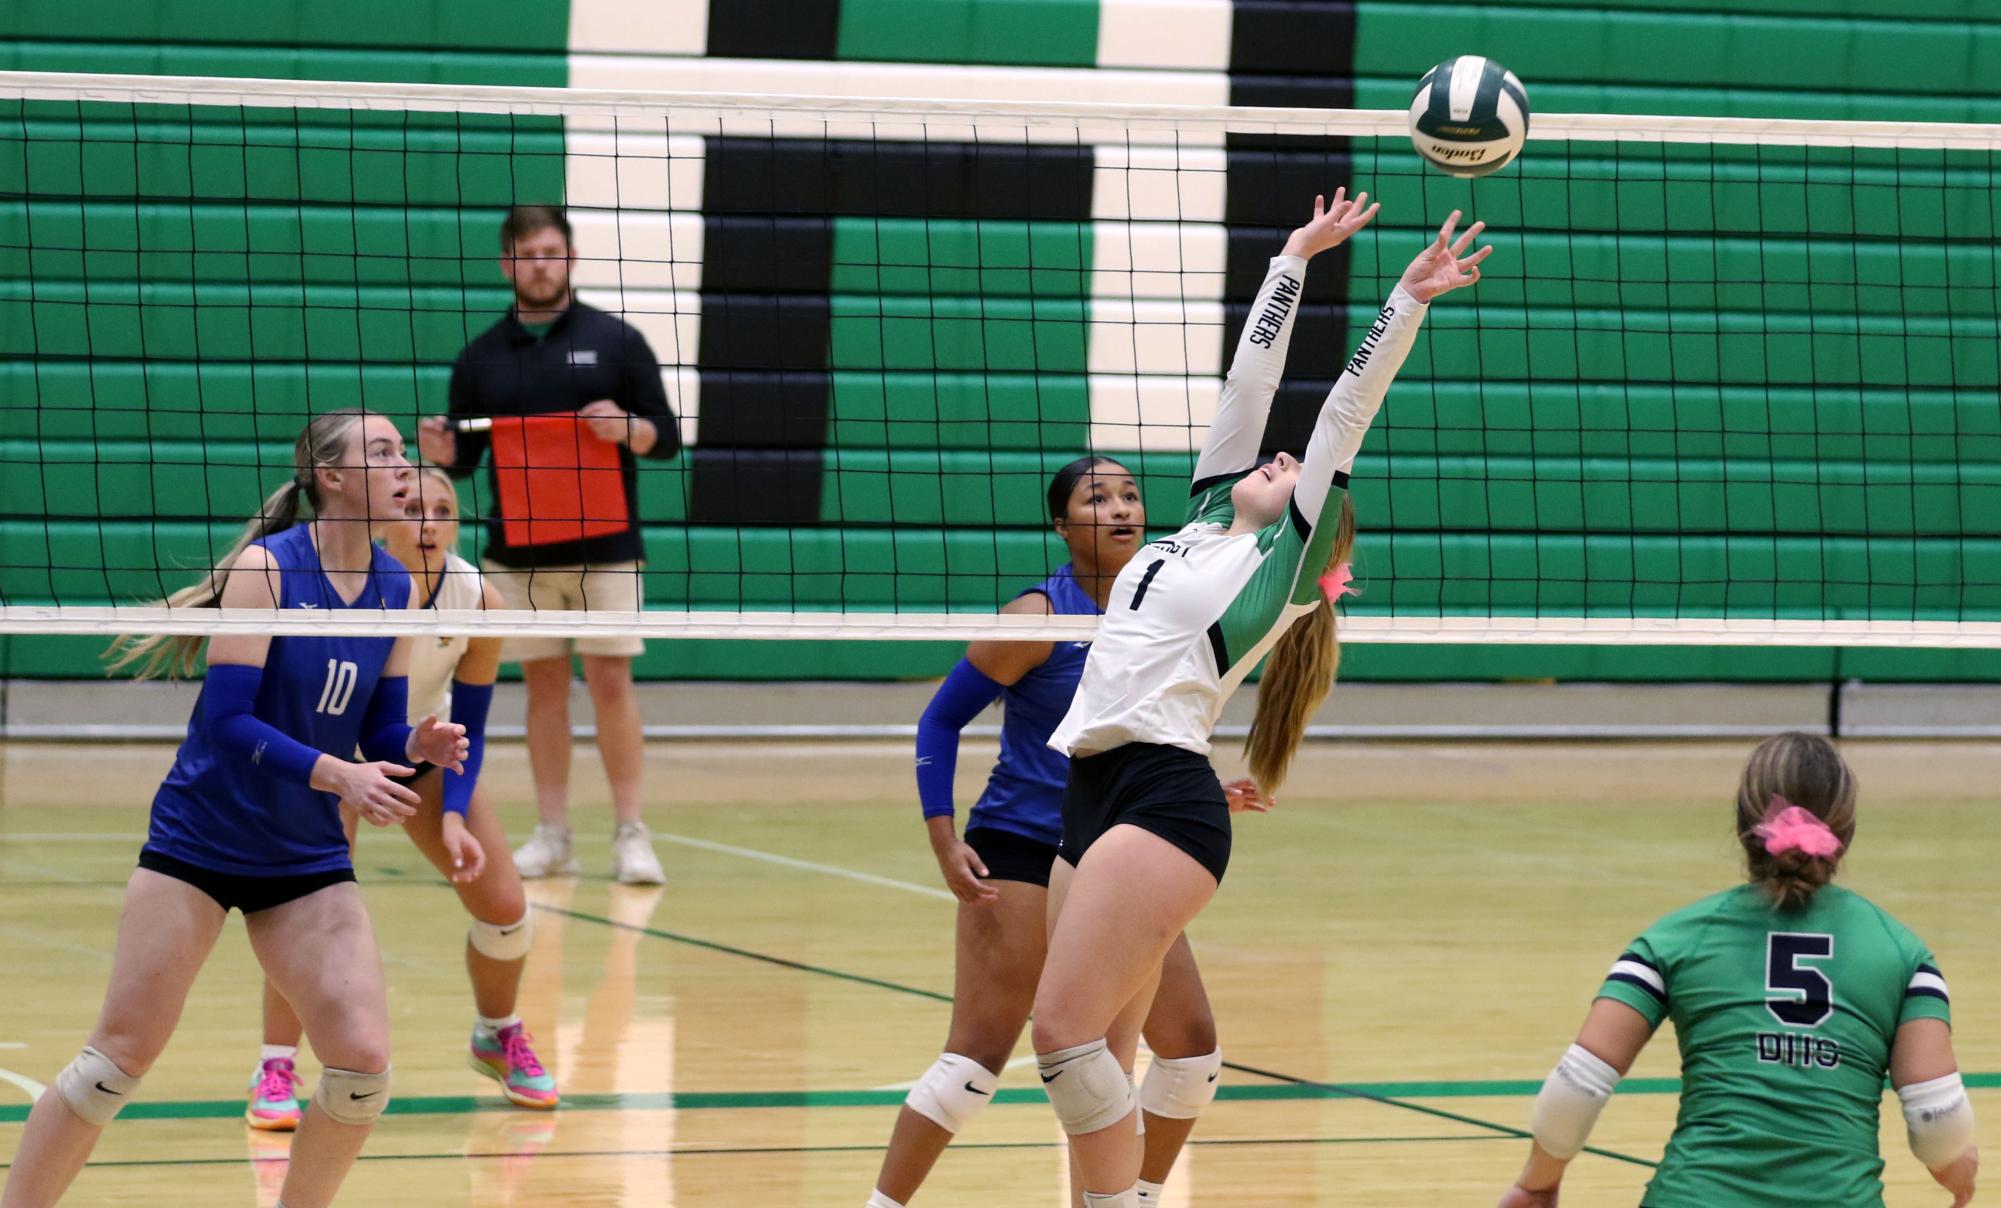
{"type": "Point", "coordinates": [756, 1151]}
{"type": "Point", "coordinates": [1332, 1089]}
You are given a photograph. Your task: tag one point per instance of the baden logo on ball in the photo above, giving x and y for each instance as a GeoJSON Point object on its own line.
{"type": "Point", "coordinates": [1469, 116]}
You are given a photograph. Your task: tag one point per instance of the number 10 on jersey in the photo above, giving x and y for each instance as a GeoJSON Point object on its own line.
{"type": "Point", "coordinates": [339, 688]}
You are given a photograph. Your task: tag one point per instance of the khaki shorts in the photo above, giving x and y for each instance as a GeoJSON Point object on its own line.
{"type": "Point", "coordinates": [615, 586]}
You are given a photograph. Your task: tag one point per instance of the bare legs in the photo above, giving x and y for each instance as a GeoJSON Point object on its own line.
{"type": "Point", "coordinates": [319, 952]}
{"type": "Point", "coordinates": [1116, 915]}
{"type": "Point", "coordinates": [997, 960]}
{"type": "Point", "coordinates": [548, 682]}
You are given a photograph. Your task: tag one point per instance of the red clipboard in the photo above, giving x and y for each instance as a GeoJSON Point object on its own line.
{"type": "Point", "coordinates": [558, 482]}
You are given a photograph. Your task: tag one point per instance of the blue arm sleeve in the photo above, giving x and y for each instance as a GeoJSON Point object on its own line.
{"type": "Point", "coordinates": [385, 728]}
{"type": "Point", "coordinates": [469, 705]}
{"type": "Point", "coordinates": [228, 703]}
{"type": "Point", "coordinates": [960, 698]}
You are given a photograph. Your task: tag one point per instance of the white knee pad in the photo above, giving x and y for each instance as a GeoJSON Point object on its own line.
{"type": "Point", "coordinates": [1087, 1087]}
{"type": "Point", "coordinates": [94, 1087]}
{"type": "Point", "coordinates": [350, 1097]}
{"type": "Point", "coordinates": [503, 942]}
{"type": "Point", "coordinates": [1178, 1088]}
{"type": "Point", "coordinates": [952, 1092]}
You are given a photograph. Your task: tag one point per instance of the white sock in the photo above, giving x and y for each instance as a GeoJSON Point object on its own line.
{"type": "Point", "coordinates": [1129, 1198]}
{"type": "Point", "coordinates": [269, 1052]}
{"type": "Point", "coordinates": [877, 1199]}
{"type": "Point", "coordinates": [1149, 1193]}
{"type": "Point", "coordinates": [493, 1027]}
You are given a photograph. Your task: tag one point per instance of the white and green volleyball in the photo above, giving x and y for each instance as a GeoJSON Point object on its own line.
{"type": "Point", "coordinates": [1469, 116]}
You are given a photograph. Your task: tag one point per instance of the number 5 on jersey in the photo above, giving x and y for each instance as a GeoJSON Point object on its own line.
{"type": "Point", "coordinates": [1799, 995]}
{"type": "Point", "coordinates": [339, 688]}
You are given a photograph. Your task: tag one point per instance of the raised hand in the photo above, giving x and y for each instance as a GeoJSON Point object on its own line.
{"type": "Point", "coordinates": [608, 421]}
{"type": "Point", "coordinates": [437, 441]}
{"type": "Point", "coordinates": [441, 742]}
{"type": "Point", "coordinates": [1443, 265]}
{"type": "Point", "coordinates": [1331, 225]}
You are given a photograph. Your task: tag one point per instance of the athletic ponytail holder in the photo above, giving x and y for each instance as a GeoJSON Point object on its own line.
{"type": "Point", "coordinates": [1339, 582]}
{"type": "Point", "coordinates": [1787, 827]}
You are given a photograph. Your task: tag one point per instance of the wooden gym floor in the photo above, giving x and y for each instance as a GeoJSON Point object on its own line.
{"type": "Point", "coordinates": [1397, 957]}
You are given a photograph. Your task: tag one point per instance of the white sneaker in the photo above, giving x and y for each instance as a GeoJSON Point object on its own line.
{"type": "Point", "coordinates": [547, 853]}
{"type": "Point", "coordinates": [632, 858]}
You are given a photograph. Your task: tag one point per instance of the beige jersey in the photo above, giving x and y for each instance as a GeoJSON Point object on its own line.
{"type": "Point", "coordinates": [1192, 614]}
{"type": "Point", "coordinates": [433, 661]}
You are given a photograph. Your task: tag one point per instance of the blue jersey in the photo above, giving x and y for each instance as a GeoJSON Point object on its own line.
{"type": "Point", "coordinates": [1024, 793]}
{"type": "Point", "coordinates": [220, 812]}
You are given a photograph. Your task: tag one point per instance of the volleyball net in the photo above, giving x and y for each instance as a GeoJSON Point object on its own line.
{"type": "Point", "coordinates": [1723, 381]}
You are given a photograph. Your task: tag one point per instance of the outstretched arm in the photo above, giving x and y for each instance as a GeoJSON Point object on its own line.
{"type": "Point", "coordinates": [1351, 405]}
{"type": "Point", "coordinates": [1231, 447]}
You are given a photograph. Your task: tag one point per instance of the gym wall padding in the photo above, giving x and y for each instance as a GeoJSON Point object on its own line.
{"type": "Point", "coordinates": [884, 348]}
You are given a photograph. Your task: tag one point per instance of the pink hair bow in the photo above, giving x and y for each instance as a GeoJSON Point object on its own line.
{"type": "Point", "coordinates": [1339, 582]}
{"type": "Point", "coordinates": [1787, 827]}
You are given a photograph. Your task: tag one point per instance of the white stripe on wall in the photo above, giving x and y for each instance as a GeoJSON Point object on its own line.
{"type": "Point", "coordinates": [1151, 414]}
{"type": "Point", "coordinates": [658, 27]}
{"type": "Point", "coordinates": [1164, 33]}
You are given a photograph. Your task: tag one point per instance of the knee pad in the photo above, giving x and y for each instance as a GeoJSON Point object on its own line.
{"type": "Point", "coordinates": [1087, 1087]}
{"type": "Point", "coordinates": [94, 1087]}
{"type": "Point", "coordinates": [1178, 1088]}
{"type": "Point", "coordinates": [349, 1097]}
{"type": "Point", "coordinates": [952, 1092]}
{"type": "Point", "coordinates": [503, 941]}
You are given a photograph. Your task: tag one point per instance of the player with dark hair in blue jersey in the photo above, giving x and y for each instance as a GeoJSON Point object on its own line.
{"type": "Point", "coordinates": [249, 817]}
{"type": "Point", "coordinates": [1000, 870]}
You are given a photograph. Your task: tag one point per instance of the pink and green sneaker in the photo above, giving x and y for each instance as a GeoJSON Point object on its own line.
{"type": "Point", "coordinates": [274, 1097]}
{"type": "Point", "coordinates": [505, 1057]}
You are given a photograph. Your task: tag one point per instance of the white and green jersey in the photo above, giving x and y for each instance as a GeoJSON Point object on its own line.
{"type": "Point", "coordinates": [1785, 1023]}
{"type": "Point", "coordinates": [1192, 614]}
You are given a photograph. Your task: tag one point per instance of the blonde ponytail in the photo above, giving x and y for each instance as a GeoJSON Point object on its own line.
{"type": "Point", "coordinates": [1298, 675]}
{"type": "Point", "coordinates": [323, 443]}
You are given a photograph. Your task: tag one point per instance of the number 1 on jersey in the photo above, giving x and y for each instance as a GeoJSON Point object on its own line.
{"type": "Point", "coordinates": [339, 688]}
{"type": "Point", "coordinates": [1145, 581]}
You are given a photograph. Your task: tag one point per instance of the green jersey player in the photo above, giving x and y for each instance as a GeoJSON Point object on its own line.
{"type": "Point", "coordinates": [1791, 1000]}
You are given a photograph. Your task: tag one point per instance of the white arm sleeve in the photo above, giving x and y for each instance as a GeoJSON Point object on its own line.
{"type": "Point", "coordinates": [1239, 426]}
{"type": "Point", "coordinates": [1939, 1118]}
{"type": "Point", "coordinates": [1572, 1096]}
{"type": "Point", "coordinates": [1352, 404]}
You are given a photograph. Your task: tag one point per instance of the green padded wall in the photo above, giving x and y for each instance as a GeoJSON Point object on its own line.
{"type": "Point", "coordinates": [1610, 443]}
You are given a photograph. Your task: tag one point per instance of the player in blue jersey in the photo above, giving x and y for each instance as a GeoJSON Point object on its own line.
{"type": "Point", "coordinates": [249, 816]}
{"type": "Point", "coordinates": [456, 827]}
{"type": "Point", "coordinates": [999, 871]}
{"type": "Point", "coordinates": [1792, 1000]}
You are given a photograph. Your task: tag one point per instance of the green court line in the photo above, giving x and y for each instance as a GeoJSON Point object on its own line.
{"type": "Point", "coordinates": [1283, 1089]}
{"type": "Point", "coordinates": [756, 1150]}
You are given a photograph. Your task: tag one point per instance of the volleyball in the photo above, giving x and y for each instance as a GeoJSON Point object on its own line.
{"type": "Point", "coordinates": [1469, 116]}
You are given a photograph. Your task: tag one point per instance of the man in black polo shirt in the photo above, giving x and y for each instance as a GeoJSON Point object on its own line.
{"type": "Point", "coordinates": [552, 355]}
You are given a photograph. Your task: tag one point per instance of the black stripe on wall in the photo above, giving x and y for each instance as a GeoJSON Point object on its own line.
{"type": "Point", "coordinates": [755, 486]}
{"type": "Point", "coordinates": [1292, 53]}
{"type": "Point", "coordinates": [773, 29]}
{"type": "Point", "coordinates": [884, 178]}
